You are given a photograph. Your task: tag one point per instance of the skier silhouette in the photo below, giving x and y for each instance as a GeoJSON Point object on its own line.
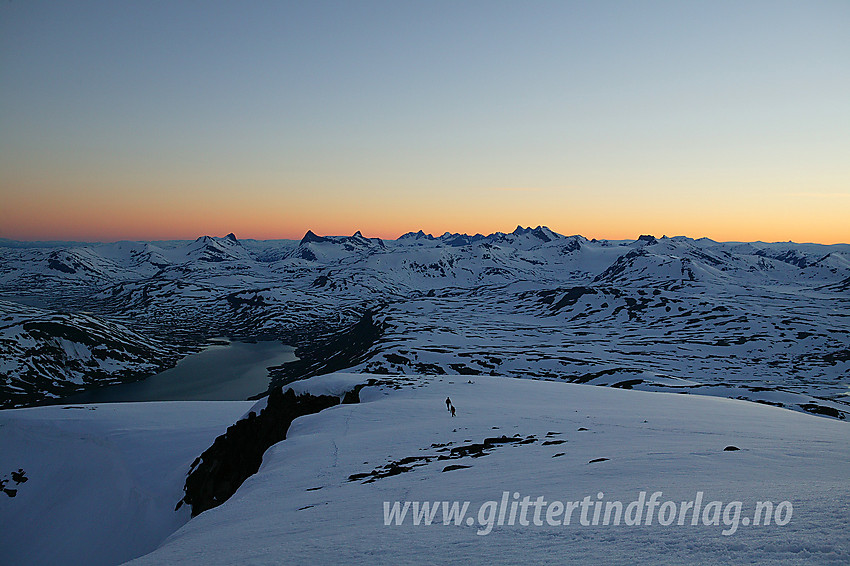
{"type": "Point", "coordinates": [453, 410]}
{"type": "Point", "coordinates": [448, 404]}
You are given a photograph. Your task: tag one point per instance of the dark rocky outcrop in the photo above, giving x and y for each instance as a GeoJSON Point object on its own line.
{"type": "Point", "coordinates": [59, 266]}
{"type": "Point", "coordinates": [792, 257]}
{"type": "Point", "coordinates": [446, 452]}
{"type": "Point", "coordinates": [331, 353]}
{"type": "Point", "coordinates": [237, 454]}
{"type": "Point", "coordinates": [569, 298]}
{"type": "Point", "coordinates": [822, 410]}
{"type": "Point", "coordinates": [19, 477]}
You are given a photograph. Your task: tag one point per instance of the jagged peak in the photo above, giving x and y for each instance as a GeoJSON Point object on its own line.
{"type": "Point", "coordinates": [541, 232]}
{"type": "Point", "coordinates": [457, 240]}
{"type": "Point", "coordinates": [206, 239]}
{"type": "Point", "coordinates": [310, 236]}
{"type": "Point", "coordinates": [545, 234]}
{"type": "Point", "coordinates": [420, 235]}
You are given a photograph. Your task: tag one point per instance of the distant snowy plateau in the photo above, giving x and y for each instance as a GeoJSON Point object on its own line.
{"type": "Point", "coordinates": [767, 322]}
{"type": "Point", "coordinates": [741, 353]}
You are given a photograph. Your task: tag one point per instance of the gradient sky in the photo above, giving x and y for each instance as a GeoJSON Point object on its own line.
{"type": "Point", "coordinates": [160, 120]}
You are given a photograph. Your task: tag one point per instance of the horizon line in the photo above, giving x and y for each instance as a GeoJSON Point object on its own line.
{"type": "Point", "coordinates": [116, 241]}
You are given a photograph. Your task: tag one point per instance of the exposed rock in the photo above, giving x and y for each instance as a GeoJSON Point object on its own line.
{"type": "Point", "coordinates": [455, 467]}
{"type": "Point", "coordinates": [333, 353]}
{"type": "Point", "coordinates": [237, 454]}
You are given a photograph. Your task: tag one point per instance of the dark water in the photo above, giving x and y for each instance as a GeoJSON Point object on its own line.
{"type": "Point", "coordinates": [28, 300]}
{"type": "Point", "coordinates": [219, 373]}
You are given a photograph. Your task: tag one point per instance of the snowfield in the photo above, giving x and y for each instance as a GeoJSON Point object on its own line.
{"type": "Point", "coordinates": [319, 496]}
{"type": "Point", "coordinates": [101, 480]}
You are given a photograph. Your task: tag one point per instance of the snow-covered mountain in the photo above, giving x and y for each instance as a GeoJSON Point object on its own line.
{"type": "Point", "coordinates": [733, 319]}
{"type": "Point", "coordinates": [99, 482]}
{"type": "Point", "coordinates": [50, 355]}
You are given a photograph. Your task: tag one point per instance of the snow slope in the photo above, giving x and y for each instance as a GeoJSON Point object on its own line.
{"type": "Point", "coordinates": [319, 495]}
{"type": "Point", "coordinates": [101, 480]}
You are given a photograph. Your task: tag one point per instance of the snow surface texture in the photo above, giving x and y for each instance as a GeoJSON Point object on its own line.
{"type": "Point", "coordinates": [101, 480]}
{"type": "Point", "coordinates": [319, 495]}
{"type": "Point", "coordinates": [761, 321]}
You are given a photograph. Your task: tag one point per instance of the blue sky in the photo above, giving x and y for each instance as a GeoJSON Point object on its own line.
{"type": "Point", "coordinates": [167, 119]}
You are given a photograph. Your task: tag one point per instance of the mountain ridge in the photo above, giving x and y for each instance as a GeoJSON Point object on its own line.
{"type": "Point", "coordinates": [528, 303]}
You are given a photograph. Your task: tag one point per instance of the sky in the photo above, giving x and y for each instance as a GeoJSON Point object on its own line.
{"type": "Point", "coordinates": [150, 120]}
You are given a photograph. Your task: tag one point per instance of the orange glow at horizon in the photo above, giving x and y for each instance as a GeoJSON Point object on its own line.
{"type": "Point", "coordinates": [103, 217]}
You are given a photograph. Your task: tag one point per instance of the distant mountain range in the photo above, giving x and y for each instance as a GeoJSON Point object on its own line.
{"type": "Point", "coordinates": [762, 321]}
